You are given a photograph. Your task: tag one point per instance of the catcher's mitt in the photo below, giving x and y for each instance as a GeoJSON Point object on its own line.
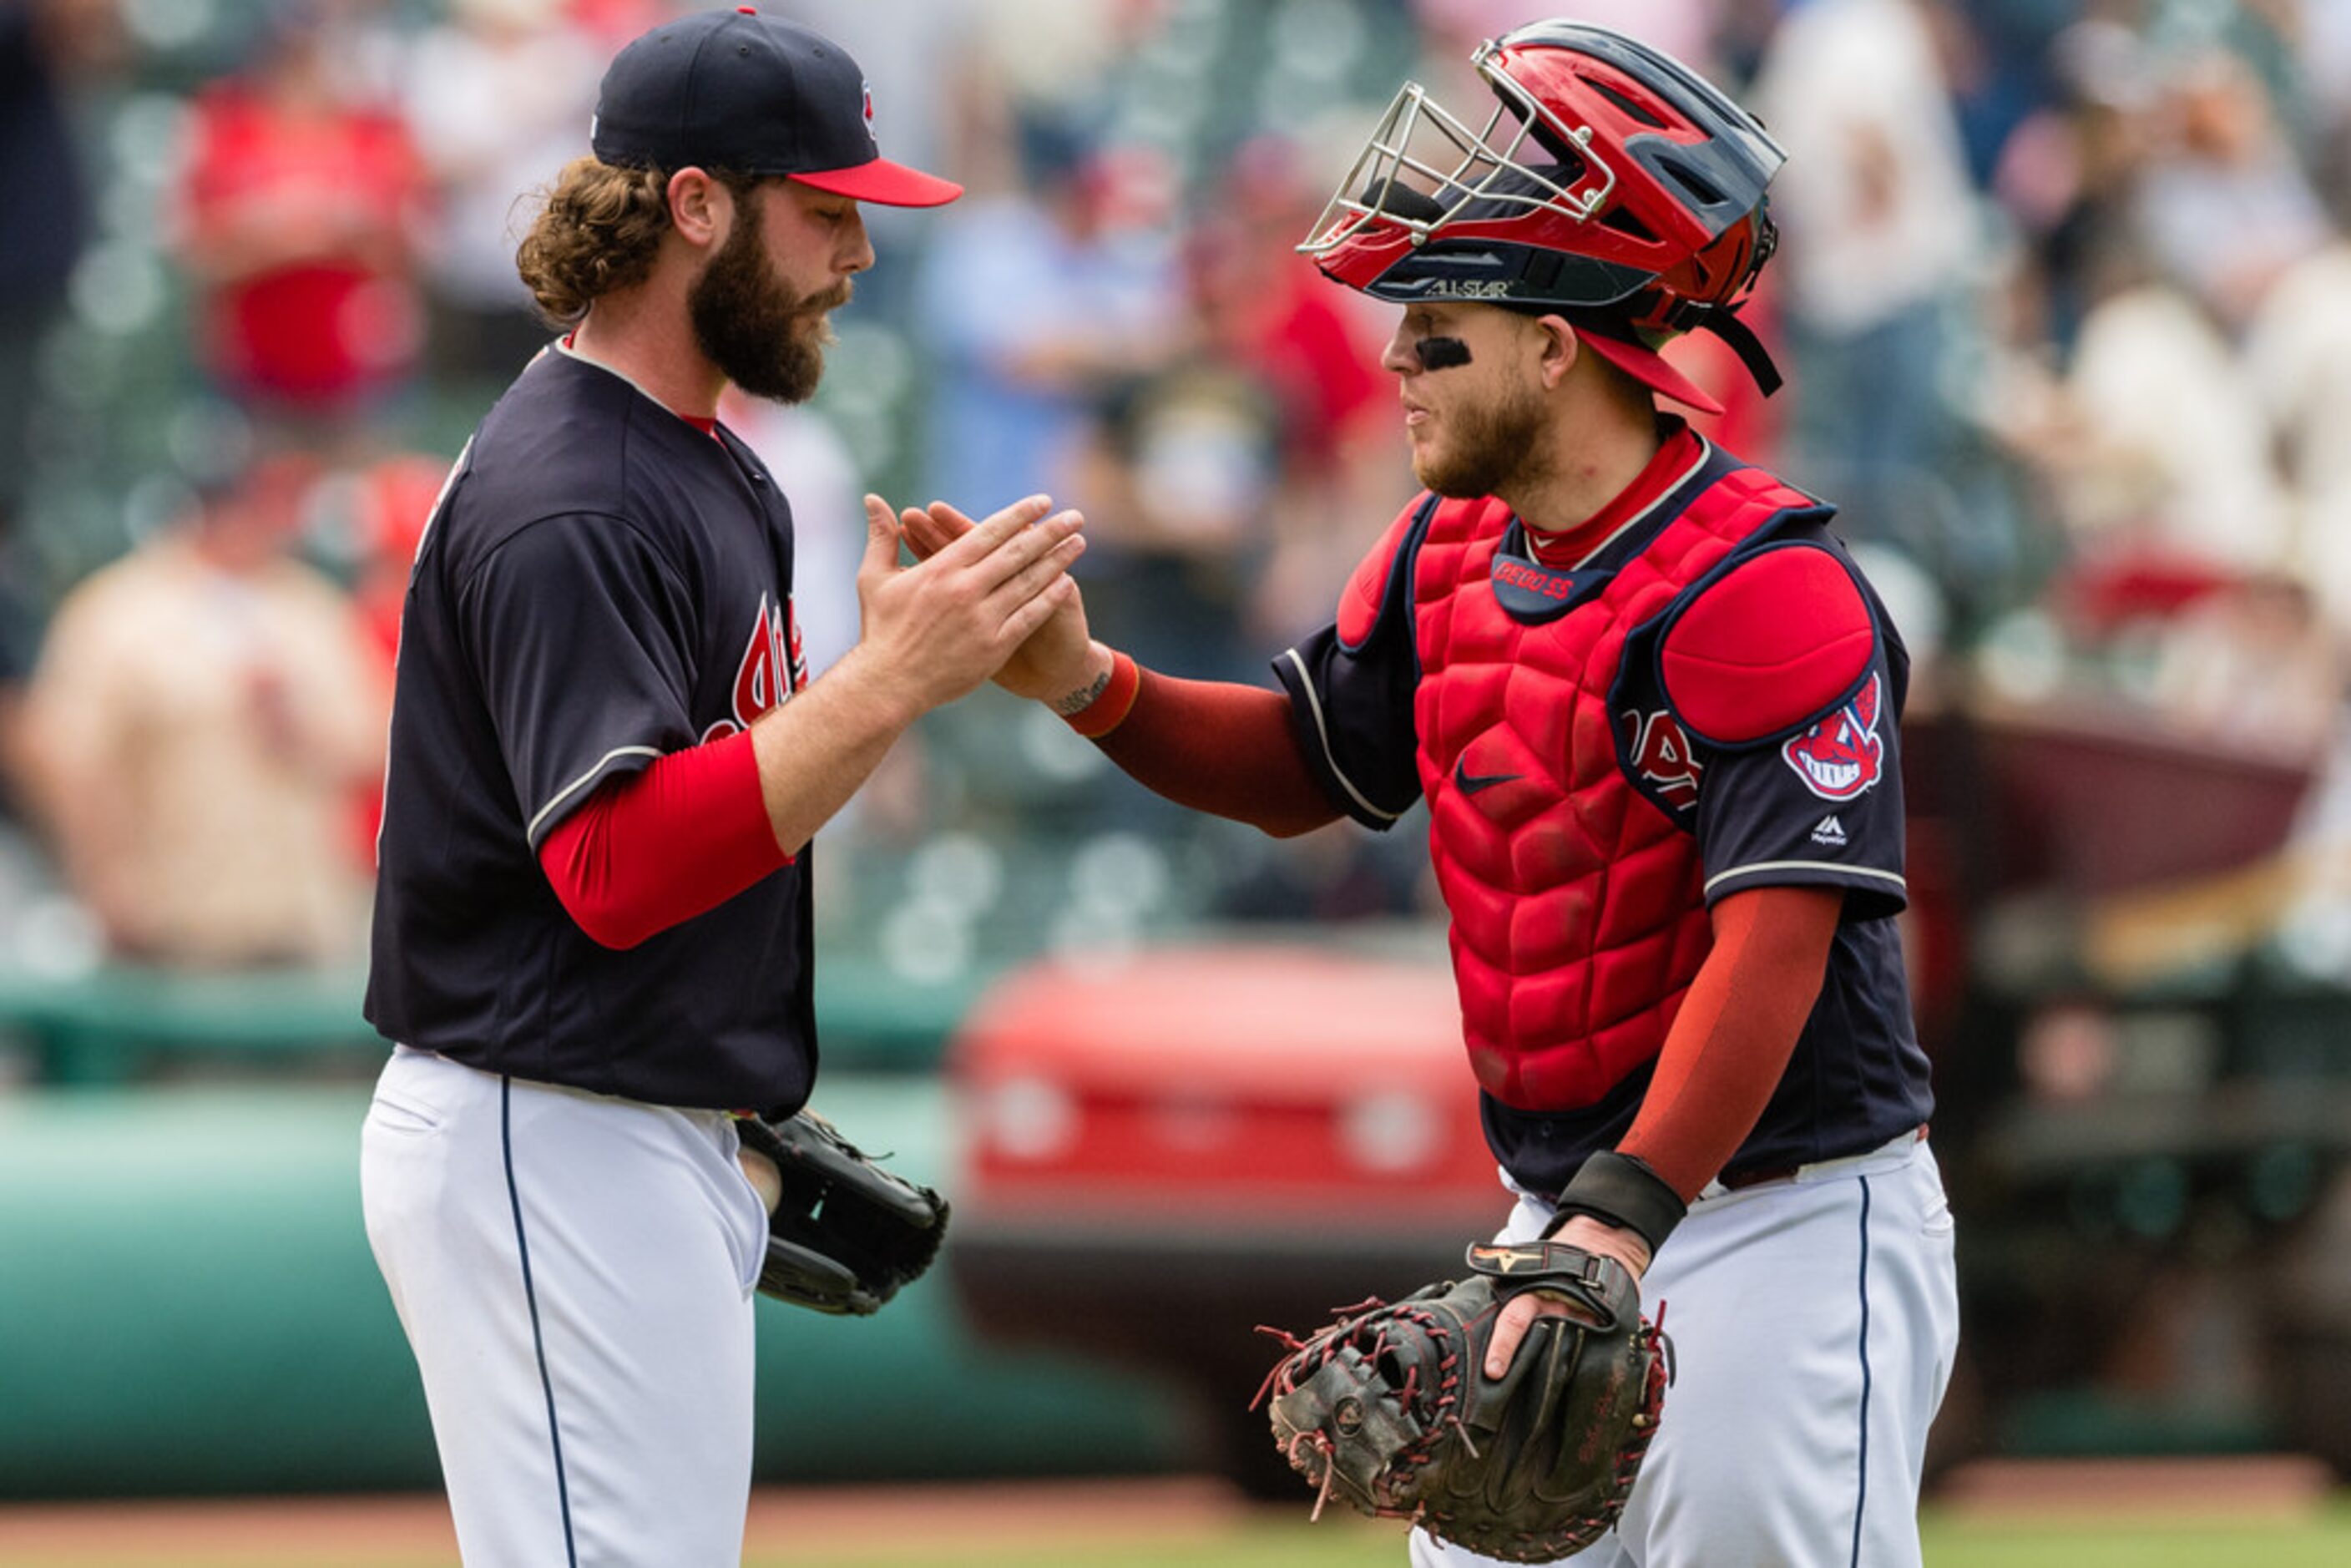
{"type": "Point", "coordinates": [1390, 1409]}
{"type": "Point", "coordinates": [845, 1234]}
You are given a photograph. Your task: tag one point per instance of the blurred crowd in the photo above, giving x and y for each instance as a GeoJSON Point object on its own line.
{"type": "Point", "coordinates": [2065, 299]}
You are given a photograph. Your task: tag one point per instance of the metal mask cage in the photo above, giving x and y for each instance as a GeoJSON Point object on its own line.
{"type": "Point", "coordinates": [1420, 147]}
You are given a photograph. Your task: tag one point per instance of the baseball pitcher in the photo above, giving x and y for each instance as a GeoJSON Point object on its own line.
{"type": "Point", "coordinates": [592, 939]}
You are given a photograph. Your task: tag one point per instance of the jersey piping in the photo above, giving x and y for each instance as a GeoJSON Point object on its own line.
{"type": "Point", "coordinates": [1840, 869]}
{"type": "Point", "coordinates": [537, 1331]}
{"type": "Point", "coordinates": [602, 763]}
{"type": "Point", "coordinates": [1323, 734]}
{"type": "Point", "coordinates": [1861, 1456]}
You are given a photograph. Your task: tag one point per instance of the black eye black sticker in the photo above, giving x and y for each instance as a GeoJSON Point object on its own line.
{"type": "Point", "coordinates": [1441, 353]}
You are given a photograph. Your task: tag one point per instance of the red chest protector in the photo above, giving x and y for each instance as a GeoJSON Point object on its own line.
{"type": "Point", "coordinates": [1578, 921]}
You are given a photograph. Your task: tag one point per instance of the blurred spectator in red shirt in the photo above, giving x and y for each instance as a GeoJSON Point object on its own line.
{"type": "Point", "coordinates": [612, 23]}
{"type": "Point", "coordinates": [297, 212]}
{"type": "Point", "coordinates": [1261, 307]}
{"type": "Point", "coordinates": [391, 501]}
{"type": "Point", "coordinates": [1268, 306]}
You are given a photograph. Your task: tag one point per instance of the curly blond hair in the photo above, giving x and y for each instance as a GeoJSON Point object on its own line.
{"type": "Point", "coordinates": [597, 229]}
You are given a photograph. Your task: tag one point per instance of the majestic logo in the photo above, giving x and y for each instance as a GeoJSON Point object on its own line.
{"type": "Point", "coordinates": [773, 668]}
{"type": "Point", "coordinates": [1470, 783]}
{"type": "Point", "coordinates": [1841, 756]}
{"type": "Point", "coordinates": [1663, 757]}
{"type": "Point", "coordinates": [1829, 830]}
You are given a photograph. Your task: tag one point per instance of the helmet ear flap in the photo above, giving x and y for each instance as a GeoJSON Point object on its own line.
{"type": "Point", "coordinates": [1724, 275]}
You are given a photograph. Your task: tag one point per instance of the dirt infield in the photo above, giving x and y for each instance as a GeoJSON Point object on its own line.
{"type": "Point", "coordinates": [1188, 1519]}
{"type": "Point", "coordinates": [357, 1531]}
{"type": "Point", "coordinates": [1041, 1513]}
{"type": "Point", "coordinates": [368, 1532]}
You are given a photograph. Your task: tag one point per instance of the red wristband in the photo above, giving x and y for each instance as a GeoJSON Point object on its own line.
{"type": "Point", "coordinates": [1112, 704]}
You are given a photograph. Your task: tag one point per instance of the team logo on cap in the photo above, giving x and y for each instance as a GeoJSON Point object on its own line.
{"type": "Point", "coordinates": [1841, 756]}
{"type": "Point", "coordinates": [868, 88]}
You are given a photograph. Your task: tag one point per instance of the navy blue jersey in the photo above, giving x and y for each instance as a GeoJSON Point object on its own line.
{"type": "Point", "coordinates": [1817, 803]}
{"type": "Point", "coordinates": [602, 583]}
{"type": "Point", "coordinates": [1817, 806]}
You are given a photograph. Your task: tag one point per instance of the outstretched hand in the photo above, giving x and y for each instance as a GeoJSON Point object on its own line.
{"type": "Point", "coordinates": [935, 630]}
{"type": "Point", "coordinates": [1058, 660]}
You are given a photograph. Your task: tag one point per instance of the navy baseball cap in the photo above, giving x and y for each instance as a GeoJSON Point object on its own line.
{"type": "Point", "coordinates": [755, 95]}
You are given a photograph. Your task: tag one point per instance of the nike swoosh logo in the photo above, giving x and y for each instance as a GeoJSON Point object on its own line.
{"type": "Point", "coordinates": [1470, 783]}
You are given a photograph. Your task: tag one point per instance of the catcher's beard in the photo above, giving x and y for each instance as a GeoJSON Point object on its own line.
{"type": "Point", "coordinates": [1490, 448]}
{"type": "Point", "coordinates": [767, 338]}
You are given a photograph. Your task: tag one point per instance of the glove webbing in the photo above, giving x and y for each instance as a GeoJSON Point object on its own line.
{"type": "Point", "coordinates": [1325, 1345]}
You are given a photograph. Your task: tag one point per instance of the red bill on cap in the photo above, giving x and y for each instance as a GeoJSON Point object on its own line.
{"type": "Point", "coordinates": [883, 182]}
{"type": "Point", "coordinates": [1649, 368]}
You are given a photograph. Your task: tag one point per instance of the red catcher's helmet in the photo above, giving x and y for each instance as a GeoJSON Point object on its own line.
{"type": "Point", "coordinates": [1611, 183]}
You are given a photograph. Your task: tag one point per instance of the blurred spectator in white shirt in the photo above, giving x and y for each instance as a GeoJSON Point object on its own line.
{"type": "Point", "coordinates": [1033, 305]}
{"type": "Point", "coordinates": [2155, 438]}
{"type": "Point", "coordinates": [2297, 357]}
{"type": "Point", "coordinates": [2224, 206]}
{"type": "Point", "coordinates": [1879, 226]}
{"type": "Point", "coordinates": [498, 98]}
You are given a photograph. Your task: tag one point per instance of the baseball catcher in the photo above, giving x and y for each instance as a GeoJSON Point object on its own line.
{"type": "Point", "coordinates": [843, 1234]}
{"type": "Point", "coordinates": [1651, 704]}
{"type": "Point", "coordinates": [1390, 1408]}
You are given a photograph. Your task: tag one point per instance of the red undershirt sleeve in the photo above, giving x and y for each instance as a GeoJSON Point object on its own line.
{"type": "Point", "coordinates": [655, 849]}
{"type": "Point", "coordinates": [1737, 1028]}
{"type": "Point", "coordinates": [1212, 745]}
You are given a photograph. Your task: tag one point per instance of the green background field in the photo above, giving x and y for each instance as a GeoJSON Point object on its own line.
{"type": "Point", "coordinates": [1949, 1544]}
{"type": "Point", "coordinates": [1267, 1539]}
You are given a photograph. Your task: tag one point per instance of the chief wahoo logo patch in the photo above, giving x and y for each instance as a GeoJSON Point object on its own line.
{"type": "Point", "coordinates": [1841, 756]}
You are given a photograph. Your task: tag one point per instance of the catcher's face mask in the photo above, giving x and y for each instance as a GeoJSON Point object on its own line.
{"type": "Point", "coordinates": [1606, 176]}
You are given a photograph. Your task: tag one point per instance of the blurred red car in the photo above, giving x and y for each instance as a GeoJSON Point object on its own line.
{"type": "Point", "coordinates": [1167, 1151]}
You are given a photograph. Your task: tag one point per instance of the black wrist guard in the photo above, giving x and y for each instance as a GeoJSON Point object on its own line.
{"type": "Point", "coordinates": [1621, 1190]}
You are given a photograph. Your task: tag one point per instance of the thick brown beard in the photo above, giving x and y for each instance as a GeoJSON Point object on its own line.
{"type": "Point", "coordinates": [764, 338]}
{"type": "Point", "coordinates": [1496, 447]}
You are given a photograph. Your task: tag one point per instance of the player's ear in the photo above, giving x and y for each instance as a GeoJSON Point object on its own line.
{"type": "Point", "coordinates": [698, 206]}
{"type": "Point", "coordinates": [1558, 348]}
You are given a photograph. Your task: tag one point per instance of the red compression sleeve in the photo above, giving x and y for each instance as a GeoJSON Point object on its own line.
{"type": "Point", "coordinates": [1212, 745]}
{"type": "Point", "coordinates": [644, 854]}
{"type": "Point", "coordinates": [1731, 1040]}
